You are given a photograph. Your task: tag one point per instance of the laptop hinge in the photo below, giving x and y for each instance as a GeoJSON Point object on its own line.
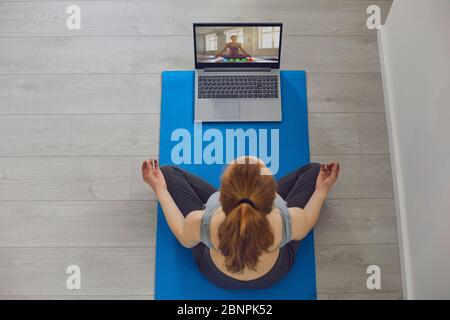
{"type": "Point", "coordinates": [236, 69]}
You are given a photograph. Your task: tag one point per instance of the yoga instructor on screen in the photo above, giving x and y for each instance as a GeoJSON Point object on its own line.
{"type": "Point", "coordinates": [246, 234]}
{"type": "Point", "coordinates": [234, 48]}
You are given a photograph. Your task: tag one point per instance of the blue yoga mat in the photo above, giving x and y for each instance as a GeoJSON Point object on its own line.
{"type": "Point", "coordinates": [176, 275]}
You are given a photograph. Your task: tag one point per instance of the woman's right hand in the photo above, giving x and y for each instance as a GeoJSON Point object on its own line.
{"type": "Point", "coordinates": [328, 175]}
{"type": "Point", "coordinates": [153, 175]}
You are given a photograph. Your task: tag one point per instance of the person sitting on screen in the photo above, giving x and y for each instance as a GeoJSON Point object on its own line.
{"type": "Point", "coordinates": [235, 50]}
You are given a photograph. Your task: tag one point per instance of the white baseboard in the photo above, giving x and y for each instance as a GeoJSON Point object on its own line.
{"type": "Point", "coordinates": [402, 229]}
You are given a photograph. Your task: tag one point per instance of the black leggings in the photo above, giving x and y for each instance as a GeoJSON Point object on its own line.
{"type": "Point", "coordinates": [190, 193]}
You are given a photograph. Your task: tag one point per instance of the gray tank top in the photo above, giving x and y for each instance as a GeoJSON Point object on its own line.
{"type": "Point", "coordinates": [213, 204]}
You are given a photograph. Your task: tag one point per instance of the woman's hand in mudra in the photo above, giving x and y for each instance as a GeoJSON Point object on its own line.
{"type": "Point", "coordinates": [153, 175]}
{"type": "Point", "coordinates": [328, 175]}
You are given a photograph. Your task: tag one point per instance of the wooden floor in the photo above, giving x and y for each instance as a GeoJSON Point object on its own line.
{"type": "Point", "coordinates": [79, 110]}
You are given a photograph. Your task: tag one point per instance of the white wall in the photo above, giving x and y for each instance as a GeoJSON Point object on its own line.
{"type": "Point", "coordinates": [415, 61]}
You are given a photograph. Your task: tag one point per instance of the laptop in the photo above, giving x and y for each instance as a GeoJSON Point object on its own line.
{"type": "Point", "coordinates": [237, 72]}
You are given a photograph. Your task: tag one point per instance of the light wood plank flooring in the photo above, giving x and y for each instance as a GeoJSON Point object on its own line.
{"type": "Point", "coordinates": [79, 110]}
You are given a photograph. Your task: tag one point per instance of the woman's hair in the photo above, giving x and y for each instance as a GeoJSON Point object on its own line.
{"type": "Point", "coordinates": [245, 232]}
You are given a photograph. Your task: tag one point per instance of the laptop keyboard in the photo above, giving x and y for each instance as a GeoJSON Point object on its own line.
{"type": "Point", "coordinates": [241, 87]}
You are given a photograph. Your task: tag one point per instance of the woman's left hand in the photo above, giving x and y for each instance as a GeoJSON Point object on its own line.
{"type": "Point", "coordinates": [328, 175]}
{"type": "Point", "coordinates": [152, 175]}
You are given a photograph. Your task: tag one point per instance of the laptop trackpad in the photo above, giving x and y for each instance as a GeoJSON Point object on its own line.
{"type": "Point", "coordinates": [227, 109]}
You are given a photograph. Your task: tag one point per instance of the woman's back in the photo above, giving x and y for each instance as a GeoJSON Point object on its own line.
{"type": "Point", "coordinates": [278, 220]}
{"type": "Point", "coordinates": [266, 260]}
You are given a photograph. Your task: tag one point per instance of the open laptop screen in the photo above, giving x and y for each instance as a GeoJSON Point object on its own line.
{"type": "Point", "coordinates": [237, 45]}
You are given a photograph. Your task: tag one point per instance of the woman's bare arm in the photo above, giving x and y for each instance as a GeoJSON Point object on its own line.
{"type": "Point", "coordinates": [223, 50]}
{"type": "Point", "coordinates": [303, 220]}
{"type": "Point", "coordinates": [186, 230]}
{"type": "Point", "coordinates": [243, 51]}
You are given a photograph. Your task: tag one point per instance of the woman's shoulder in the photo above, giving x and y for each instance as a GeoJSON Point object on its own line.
{"type": "Point", "coordinates": [211, 206]}
{"type": "Point", "coordinates": [213, 201]}
{"type": "Point", "coordinates": [281, 204]}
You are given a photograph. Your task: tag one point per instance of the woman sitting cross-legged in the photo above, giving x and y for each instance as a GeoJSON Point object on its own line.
{"type": "Point", "coordinates": [246, 234]}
